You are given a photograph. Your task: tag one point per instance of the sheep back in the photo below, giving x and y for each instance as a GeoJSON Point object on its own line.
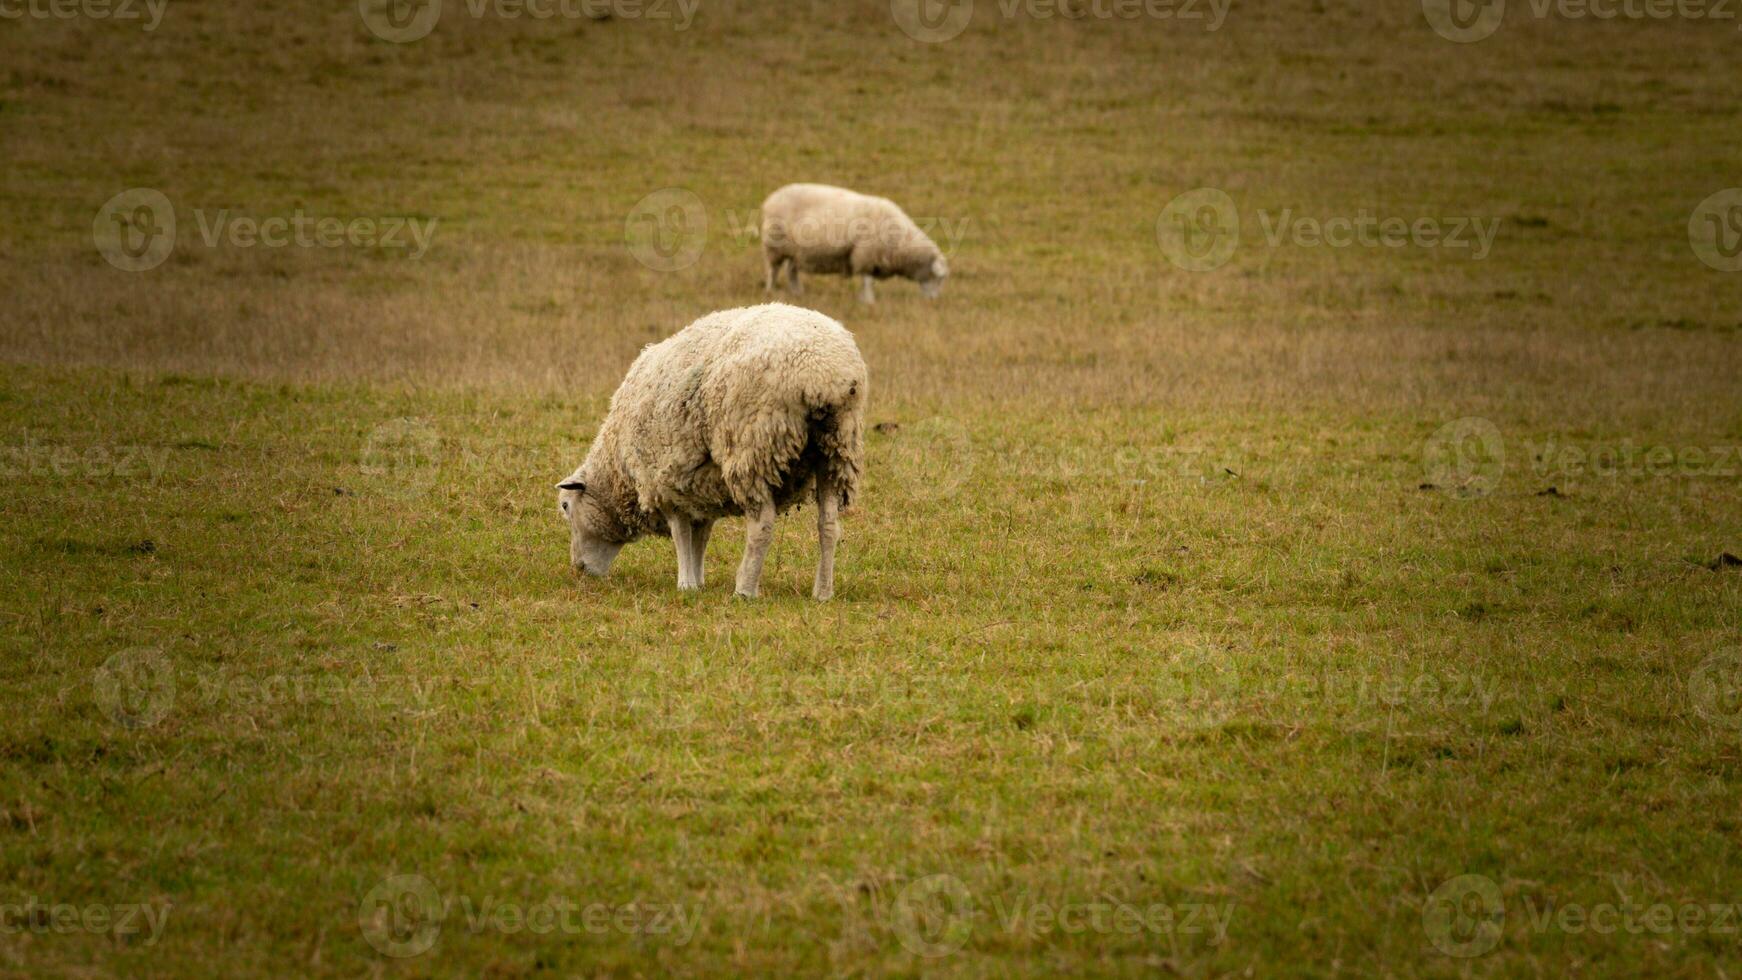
{"type": "Point", "coordinates": [739, 407]}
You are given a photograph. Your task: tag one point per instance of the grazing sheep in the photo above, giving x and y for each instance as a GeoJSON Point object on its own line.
{"type": "Point", "coordinates": [834, 231]}
{"type": "Point", "coordinates": [741, 412]}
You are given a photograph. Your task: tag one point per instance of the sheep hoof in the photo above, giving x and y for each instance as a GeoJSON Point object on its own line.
{"type": "Point", "coordinates": [741, 594]}
{"type": "Point", "coordinates": [823, 596]}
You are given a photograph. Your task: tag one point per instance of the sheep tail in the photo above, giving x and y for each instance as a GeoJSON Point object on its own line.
{"type": "Point", "coordinates": [836, 433]}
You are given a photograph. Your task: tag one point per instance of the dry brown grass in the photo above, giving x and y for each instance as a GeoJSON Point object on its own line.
{"type": "Point", "coordinates": [531, 141]}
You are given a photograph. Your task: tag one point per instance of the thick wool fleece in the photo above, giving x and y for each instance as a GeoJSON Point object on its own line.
{"type": "Point", "coordinates": [740, 408]}
{"type": "Point", "coordinates": [832, 230]}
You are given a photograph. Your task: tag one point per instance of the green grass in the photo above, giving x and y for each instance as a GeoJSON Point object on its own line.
{"type": "Point", "coordinates": [1145, 610]}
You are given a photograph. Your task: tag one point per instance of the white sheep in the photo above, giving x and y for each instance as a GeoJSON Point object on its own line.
{"type": "Point", "coordinates": [834, 231]}
{"type": "Point", "coordinates": [742, 412]}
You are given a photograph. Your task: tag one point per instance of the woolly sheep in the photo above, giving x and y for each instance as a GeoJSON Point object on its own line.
{"type": "Point", "coordinates": [742, 412]}
{"type": "Point", "coordinates": [834, 231]}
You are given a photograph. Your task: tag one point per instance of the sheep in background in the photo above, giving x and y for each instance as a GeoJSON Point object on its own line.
{"type": "Point", "coordinates": [742, 412]}
{"type": "Point", "coordinates": [831, 230]}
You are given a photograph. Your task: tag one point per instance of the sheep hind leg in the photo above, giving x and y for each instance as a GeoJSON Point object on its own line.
{"type": "Point", "coordinates": [758, 534]}
{"type": "Point", "coordinates": [828, 534]}
{"type": "Point", "coordinates": [772, 262]}
{"type": "Point", "coordinates": [792, 283]}
{"type": "Point", "coordinates": [867, 294]}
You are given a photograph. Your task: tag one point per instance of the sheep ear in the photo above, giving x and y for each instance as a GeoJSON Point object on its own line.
{"type": "Point", "coordinates": [575, 485]}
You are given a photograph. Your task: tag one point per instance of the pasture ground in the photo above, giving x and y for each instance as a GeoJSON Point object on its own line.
{"type": "Point", "coordinates": [1151, 650]}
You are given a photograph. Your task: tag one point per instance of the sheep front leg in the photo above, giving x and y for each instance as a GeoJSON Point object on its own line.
{"type": "Point", "coordinates": [773, 263]}
{"type": "Point", "coordinates": [758, 534]}
{"type": "Point", "coordinates": [682, 535]}
{"type": "Point", "coordinates": [867, 294]}
{"type": "Point", "coordinates": [699, 531]}
{"type": "Point", "coordinates": [828, 533]}
{"type": "Point", "coordinates": [792, 283]}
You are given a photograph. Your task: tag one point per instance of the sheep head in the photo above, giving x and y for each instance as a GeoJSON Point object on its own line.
{"type": "Point", "coordinates": [931, 281]}
{"type": "Point", "coordinates": [593, 538]}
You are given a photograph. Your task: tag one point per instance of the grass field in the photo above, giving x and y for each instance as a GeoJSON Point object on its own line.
{"type": "Point", "coordinates": [1220, 602]}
